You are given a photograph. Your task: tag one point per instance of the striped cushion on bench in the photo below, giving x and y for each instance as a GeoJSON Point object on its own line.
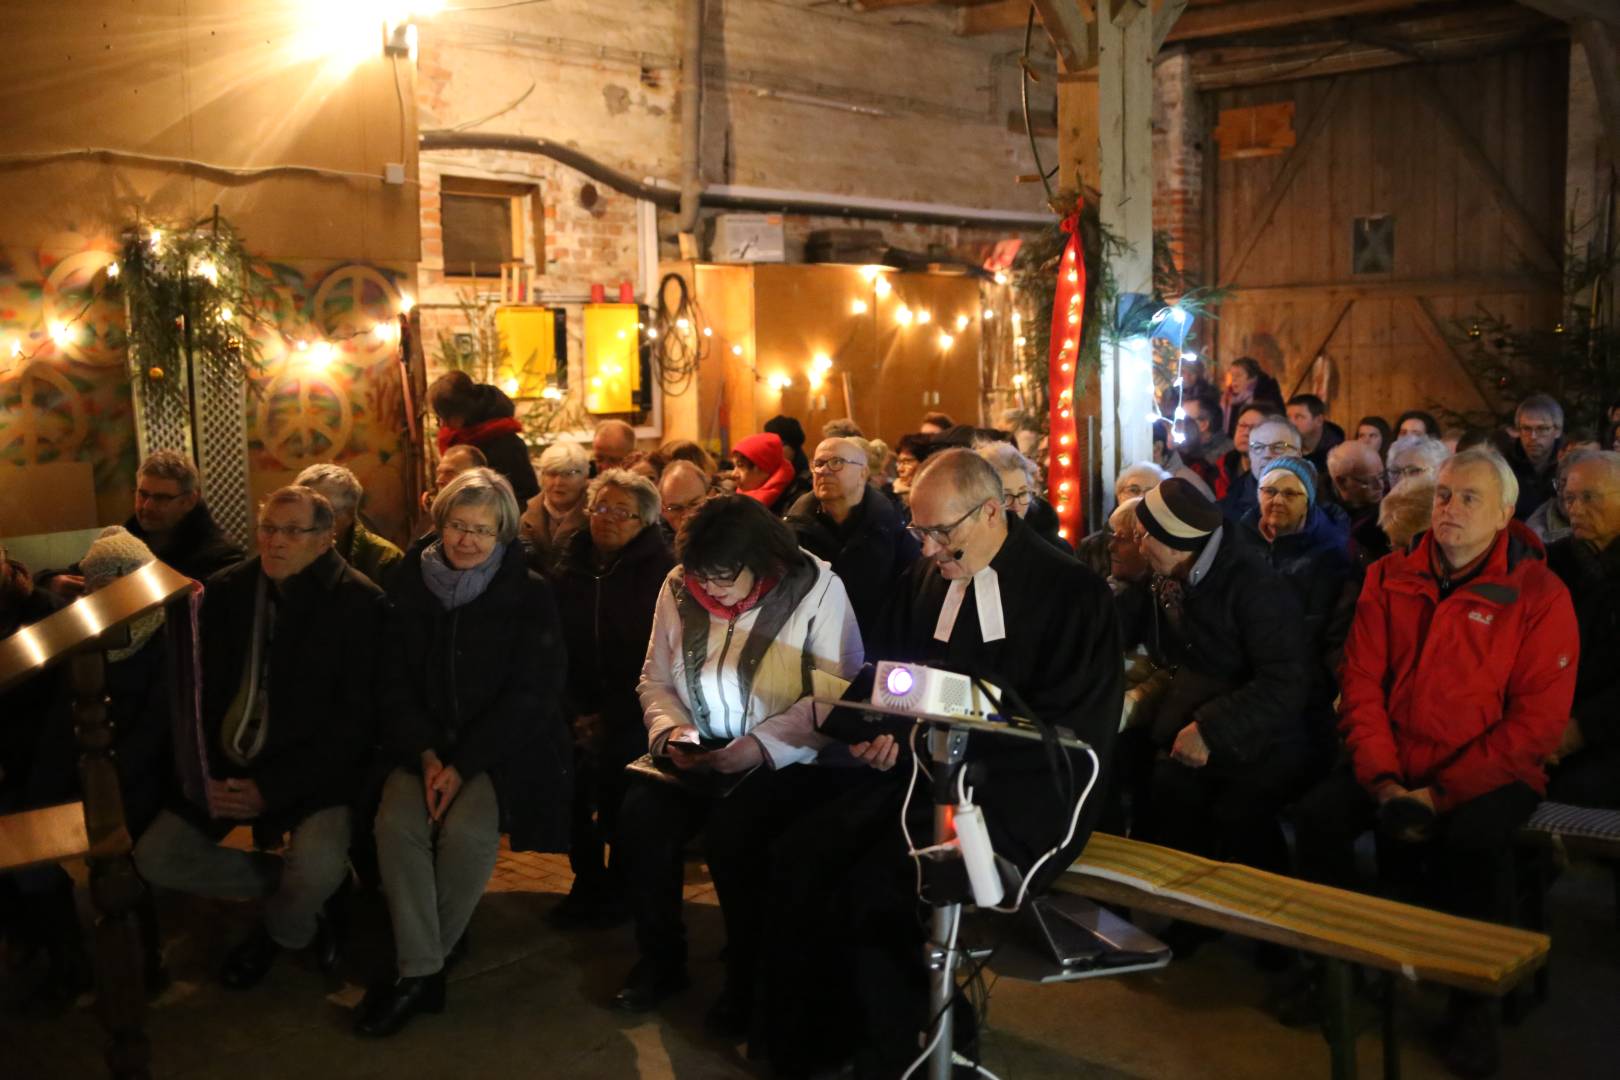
{"type": "Point", "coordinates": [1561, 819]}
{"type": "Point", "coordinates": [1365, 929]}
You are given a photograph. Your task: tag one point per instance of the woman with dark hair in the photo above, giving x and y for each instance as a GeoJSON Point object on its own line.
{"type": "Point", "coordinates": [687, 450]}
{"type": "Point", "coordinates": [476, 414]}
{"type": "Point", "coordinates": [742, 626]}
{"type": "Point", "coordinates": [472, 671]}
{"type": "Point", "coordinates": [1417, 422]}
{"type": "Point", "coordinates": [910, 451]}
{"type": "Point", "coordinates": [1609, 425]}
{"type": "Point", "coordinates": [1246, 381]}
{"type": "Point", "coordinates": [1375, 432]}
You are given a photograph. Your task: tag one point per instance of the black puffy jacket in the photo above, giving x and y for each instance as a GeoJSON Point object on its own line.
{"type": "Point", "coordinates": [480, 686]}
{"type": "Point", "coordinates": [868, 552]}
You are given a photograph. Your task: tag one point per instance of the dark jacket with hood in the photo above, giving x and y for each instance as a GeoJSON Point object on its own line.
{"type": "Point", "coordinates": [481, 686]}
{"type": "Point", "coordinates": [323, 669]}
{"type": "Point", "coordinates": [1242, 670]}
{"type": "Point", "coordinates": [1536, 486]}
{"type": "Point", "coordinates": [607, 617]}
{"type": "Point", "coordinates": [1593, 580]}
{"type": "Point", "coordinates": [493, 427]}
{"type": "Point", "coordinates": [868, 552]}
{"type": "Point", "coordinates": [1043, 521]}
{"type": "Point", "coordinates": [1315, 562]}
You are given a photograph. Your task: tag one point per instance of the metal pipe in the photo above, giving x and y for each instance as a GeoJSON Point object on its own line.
{"type": "Point", "coordinates": [691, 114]}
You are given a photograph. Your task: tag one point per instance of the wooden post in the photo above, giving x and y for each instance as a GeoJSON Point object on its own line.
{"type": "Point", "coordinates": [1124, 123]}
{"type": "Point", "coordinates": [115, 888]}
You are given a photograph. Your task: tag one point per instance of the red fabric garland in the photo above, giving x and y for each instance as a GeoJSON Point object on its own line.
{"type": "Point", "coordinates": [1063, 442]}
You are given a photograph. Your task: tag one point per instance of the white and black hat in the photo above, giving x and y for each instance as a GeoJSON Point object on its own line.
{"type": "Point", "coordinates": [1178, 515]}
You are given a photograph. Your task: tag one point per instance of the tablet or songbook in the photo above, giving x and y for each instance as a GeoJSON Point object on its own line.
{"type": "Point", "coordinates": [858, 725]}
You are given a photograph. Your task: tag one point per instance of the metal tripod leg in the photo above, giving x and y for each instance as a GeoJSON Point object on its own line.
{"type": "Point", "coordinates": [947, 748]}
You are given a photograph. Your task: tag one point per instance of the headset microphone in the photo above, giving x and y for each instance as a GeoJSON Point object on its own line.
{"type": "Point", "coordinates": [956, 556]}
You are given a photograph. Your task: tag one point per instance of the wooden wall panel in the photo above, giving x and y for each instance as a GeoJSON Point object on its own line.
{"type": "Point", "coordinates": [1384, 148]}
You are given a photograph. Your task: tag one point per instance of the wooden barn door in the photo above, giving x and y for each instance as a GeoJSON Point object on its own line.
{"type": "Point", "coordinates": [1453, 175]}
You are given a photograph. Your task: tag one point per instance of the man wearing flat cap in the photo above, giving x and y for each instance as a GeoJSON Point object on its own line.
{"type": "Point", "coordinates": [1230, 725]}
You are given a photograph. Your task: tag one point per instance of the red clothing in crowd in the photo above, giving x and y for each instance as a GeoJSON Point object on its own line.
{"type": "Point", "coordinates": [765, 451]}
{"type": "Point", "coordinates": [1464, 694]}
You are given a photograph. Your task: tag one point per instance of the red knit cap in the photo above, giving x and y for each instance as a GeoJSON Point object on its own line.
{"type": "Point", "coordinates": [764, 450]}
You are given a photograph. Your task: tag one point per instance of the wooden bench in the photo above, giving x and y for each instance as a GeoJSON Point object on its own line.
{"type": "Point", "coordinates": [1344, 928]}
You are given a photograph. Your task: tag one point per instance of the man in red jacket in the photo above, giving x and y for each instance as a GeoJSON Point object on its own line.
{"type": "Point", "coordinates": [1457, 681]}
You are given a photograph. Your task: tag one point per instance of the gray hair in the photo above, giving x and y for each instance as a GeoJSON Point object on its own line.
{"type": "Point", "coordinates": [564, 455]}
{"type": "Point", "coordinates": [1004, 457]}
{"type": "Point", "coordinates": [479, 487]}
{"type": "Point", "coordinates": [171, 465]}
{"type": "Point", "coordinates": [971, 478]}
{"type": "Point", "coordinates": [1274, 420]}
{"type": "Point", "coordinates": [841, 429]}
{"type": "Point", "coordinates": [469, 456]}
{"type": "Point", "coordinates": [1431, 450]}
{"type": "Point", "coordinates": [340, 486]}
{"type": "Point", "coordinates": [678, 468]}
{"type": "Point", "coordinates": [1542, 404]}
{"type": "Point", "coordinates": [1485, 455]}
{"type": "Point", "coordinates": [1353, 449]}
{"type": "Point", "coordinates": [320, 510]}
{"type": "Point", "coordinates": [648, 501]}
{"type": "Point", "coordinates": [1608, 458]}
{"type": "Point", "coordinates": [617, 428]}
{"type": "Point", "coordinates": [1153, 469]}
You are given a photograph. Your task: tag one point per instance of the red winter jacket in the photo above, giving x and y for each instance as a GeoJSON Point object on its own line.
{"type": "Point", "coordinates": [1462, 695]}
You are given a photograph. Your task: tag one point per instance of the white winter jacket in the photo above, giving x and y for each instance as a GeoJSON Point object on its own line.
{"type": "Point", "coordinates": [751, 675]}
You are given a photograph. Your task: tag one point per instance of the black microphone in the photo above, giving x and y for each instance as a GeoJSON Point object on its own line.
{"type": "Point", "coordinates": [956, 556]}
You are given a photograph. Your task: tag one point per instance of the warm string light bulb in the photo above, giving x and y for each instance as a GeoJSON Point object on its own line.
{"type": "Point", "coordinates": [406, 303]}
{"type": "Point", "coordinates": [902, 315]}
{"type": "Point", "coordinates": [946, 341]}
{"type": "Point", "coordinates": [962, 323]}
{"type": "Point", "coordinates": [924, 317]}
{"type": "Point", "coordinates": [882, 287]}
{"type": "Point", "coordinates": [857, 307]}
{"type": "Point", "coordinates": [736, 350]}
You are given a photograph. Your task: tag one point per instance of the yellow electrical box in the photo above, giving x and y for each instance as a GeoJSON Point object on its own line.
{"type": "Point", "coordinates": [612, 357]}
{"type": "Point", "coordinates": [529, 334]}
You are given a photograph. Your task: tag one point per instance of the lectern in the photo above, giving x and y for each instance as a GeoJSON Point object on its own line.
{"type": "Point", "coordinates": [79, 636]}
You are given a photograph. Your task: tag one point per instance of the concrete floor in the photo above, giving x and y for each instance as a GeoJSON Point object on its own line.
{"type": "Point", "coordinates": [530, 1001]}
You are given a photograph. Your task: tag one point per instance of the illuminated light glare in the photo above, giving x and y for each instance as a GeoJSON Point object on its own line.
{"type": "Point", "coordinates": [226, 314]}
{"type": "Point", "coordinates": [857, 307]}
{"type": "Point", "coordinates": [60, 333]}
{"type": "Point", "coordinates": [551, 393]}
{"type": "Point", "coordinates": [406, 303]}
{"type": "Point", "coordinates": [870, 273]}
{"type": "Point", "coordinates": [780, 382]}
{"type": "Point", "coordinates": [1018, 320]}
{"type": "Point", "coordinates": [1073, 319]}
{"type": "Point", "coordinates": [736, 350]}
{"type": "Point", "coordinates": [1189, 358]}
{"type": "Point", "coordinates": [708, 331]}
{"type": "Point", "coordinates": [596, 381]}
{"type": "Point", "coordinates": [946, 341]}
{"type": "Point", "coordinates": [924, 316]}
{"type": "Point", "coordinates": [652, 333]}
{"type": "Point", "coordinates": [207, 269]}
{"type": "Point", "coordinates": [621, 335]}
{"type": "Point", "coordinates": [321, 355]}
{"type": "Point", "coordinates": [16, 348]}
{"type": "Point", "coordinates": [510, 386]}
{"type": "Point", "coordinates": [1178, 314]}
{"type": "Point", "coordinates": [683, 324]}
{"type": "Point", "coordinates": [1069, 344]}
{"type": "Point", "coordinates": [1177, 437]}
{"type": "Point", "coordinates": [1064, 440]}
{"type": "Point", "coordinates": [899, 681]}
{"type": "Point", "coordinates": [1064, 487]}
{"type": "Point", "coordinates": [29, 640]}
{"type": "Point", "coordinates": [112, 270]}
{"type": "Point", "coordinates": [987, 314]}
{"type": "Point", "coordinates": [1073, 277]}
{"type": "Point", "coordinates": [1181, 414]}
{"type": "Point", "coordinates": [962, 323]}
{"type": "Point", "coordinates": [822, 362]}
{"type": "Point", "coordinates": [1177, 384]}
{"type": "Point", "coordinates": [1063, 530]}
{"type": "Point", "coordinates": [301, 345]}
{"type": "Point", "coordinates": [1063, 413]}
{"type": "Point", "coordinates": [155, 238]}
{"type": "Point", "coordinates": [882, 287]}
{"type": "Point", "coordinates": [1064, 367]}
{"type": "Point", "coordinates": [1019, 379]}
{"type": "Point", "coordinates": [902, 315]}
{"type": "Point", "coordinates": [1020, 341]}
{"type": "Point", "coordinates": [1063, 460]}
{"type": "Point", "coordinates": [1001, 278]}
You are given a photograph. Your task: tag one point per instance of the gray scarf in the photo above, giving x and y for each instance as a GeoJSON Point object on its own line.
{"type": "Point", "coordinates": [453, 587]}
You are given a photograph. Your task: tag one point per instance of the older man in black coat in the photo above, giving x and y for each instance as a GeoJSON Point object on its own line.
{"type": "Point", "coordinates": [989, 597]}
{"type": "Point", "coordinates": [289, 644]}
{"type": "Point", "coordinates": [1231, 721]}
{"type": "Point", "coordinates": [853, 526]}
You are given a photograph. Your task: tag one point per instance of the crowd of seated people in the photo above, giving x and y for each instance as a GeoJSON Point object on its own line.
{"type": "Point", "coordinates": [614, 652]}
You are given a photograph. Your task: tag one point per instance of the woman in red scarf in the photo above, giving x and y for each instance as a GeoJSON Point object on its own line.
{"type": "Point", "coordinates": [765, 472]}
{"type": "Point", "coordinates": [476, 414]}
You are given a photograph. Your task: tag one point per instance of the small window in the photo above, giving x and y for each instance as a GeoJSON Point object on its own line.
{"type": "Point", "coordinates": [482, 222]}
{"type": "Point", "coordinates": [1372, 245]}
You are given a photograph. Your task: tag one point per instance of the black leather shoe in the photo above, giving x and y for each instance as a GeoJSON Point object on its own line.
{"type": "Point", "coordinates": [649, 984]}
{"type": "Point", "coordinates": [387, 1007]}
{"type": "Point", "coordinates": [249, 962]}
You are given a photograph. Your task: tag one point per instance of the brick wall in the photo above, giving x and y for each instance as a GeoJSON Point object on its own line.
{"type": "Point", "coordinates": [1178, 157]}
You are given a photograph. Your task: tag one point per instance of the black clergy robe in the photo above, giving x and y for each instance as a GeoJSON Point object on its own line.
{"type": "Point", "coordinates": [1060, 656]}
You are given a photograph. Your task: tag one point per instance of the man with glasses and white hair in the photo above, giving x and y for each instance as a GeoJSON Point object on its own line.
{"type": "Point", "coordinates": [1586, 768]}
{"type": "Point", "coordinates": [372, 555]}
{"type": "Point", "coordinates": [1533, 454]}
{"type": "Point", "coordinates": [171, 519]}
{"type": "Point", "coordinates": [1414, 457]}
{"type": "Point", "coordinates": [1456, 686]}
{"type": "Point", "coordinates": [852, 525]}
{"type": "Point", "coordinates": [289, 648]}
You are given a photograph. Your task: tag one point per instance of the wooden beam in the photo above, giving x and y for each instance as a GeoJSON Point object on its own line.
{"type": "Point", "coordinates": [1320, 340]}
{"type": "Point", "coordinates": [1494, 285]}
{"type": "Point", "coordinates": [1285, 180]}
{"type": "Point", "coordinates": [1602, 46]}
{"type": "Point", "coordinates": [1248, 16]}
{"type": "Point", "coordinates": [1571, 10]}
{"type": "Point", "coordinates": [989, 18]}
{"type": "Point", "coordinates": [1164, 20]}
{"type": "Point", "coordinates": [1070, 30]}
{"type": "Point", "coordinates": [1526, 234]}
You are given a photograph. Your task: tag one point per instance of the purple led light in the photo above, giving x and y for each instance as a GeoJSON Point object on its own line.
{"type": "Point", "coordinates": [900, 681]}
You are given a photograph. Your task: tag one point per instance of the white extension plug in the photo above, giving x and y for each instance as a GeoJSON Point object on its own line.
{"type": "Point", "coordinates": [974, 837]}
